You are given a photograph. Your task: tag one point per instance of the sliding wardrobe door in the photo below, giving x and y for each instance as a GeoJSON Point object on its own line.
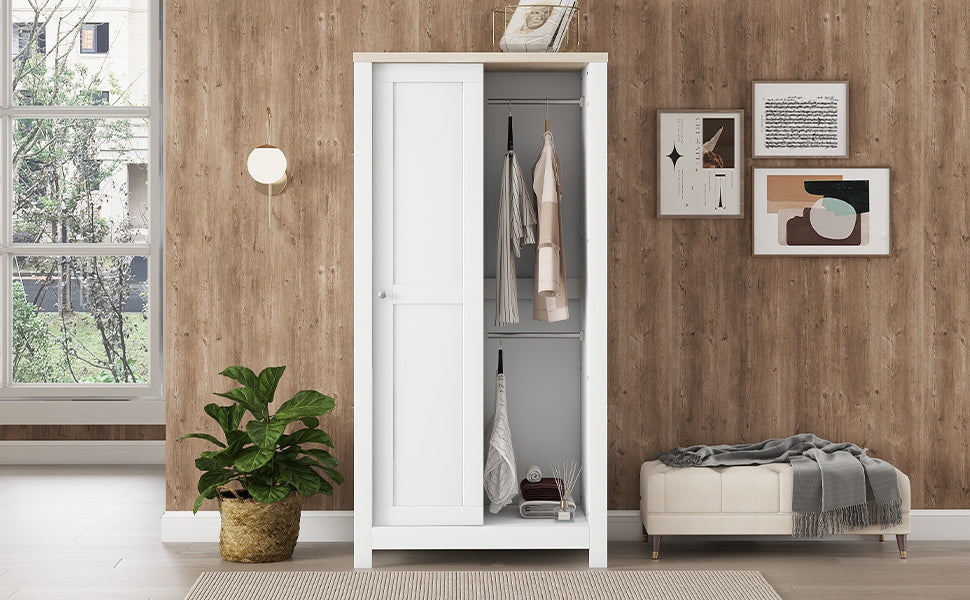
{"type": "Point", "coordinates": [427, 305]}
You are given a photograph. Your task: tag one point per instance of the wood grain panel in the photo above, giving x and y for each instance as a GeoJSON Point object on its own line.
{"type": "Point", "coordinates": [708, 344]}
{"type": "Point", "coordinates": [82, 432]}
{"type": "Point", "coordinates": [737, 348]}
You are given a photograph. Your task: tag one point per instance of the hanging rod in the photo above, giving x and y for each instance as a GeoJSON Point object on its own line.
{"type": "Point", "coordinates": [535, 101]}
{"type": "Point", "coordinates": [553, 335]}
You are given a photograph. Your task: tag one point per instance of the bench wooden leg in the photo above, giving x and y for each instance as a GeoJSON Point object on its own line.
{"type": "Point", "coordinates": [901, 543]}
{"type": "Point", "coordinates": [644, 536]}
{"type": "Point", "coordinates": [882, 538]}
{"type": "Point", "coordinates": [656, 546]}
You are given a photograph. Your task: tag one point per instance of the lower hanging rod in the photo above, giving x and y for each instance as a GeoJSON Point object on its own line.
{"type": "Point", "coordinates": [551, 335]}
{"type": "Point", "coordinates": [535, 101]}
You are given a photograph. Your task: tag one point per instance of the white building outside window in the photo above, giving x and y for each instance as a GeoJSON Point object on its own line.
{"type": "Point", "coordinates": [80, 245]}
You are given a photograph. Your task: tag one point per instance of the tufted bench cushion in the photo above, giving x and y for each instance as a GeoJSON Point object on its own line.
{"type": "Point", "coordinates": [749, 500]}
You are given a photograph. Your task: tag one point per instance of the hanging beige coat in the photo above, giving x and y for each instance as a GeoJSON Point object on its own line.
{"type": "Point", "coordinates": [549, 301]}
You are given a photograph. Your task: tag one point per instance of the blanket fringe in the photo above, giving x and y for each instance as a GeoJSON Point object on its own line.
{"type": "Point", "coordinates": [891, 513]}
{"type": "Point", "coordinates": [846, 519]}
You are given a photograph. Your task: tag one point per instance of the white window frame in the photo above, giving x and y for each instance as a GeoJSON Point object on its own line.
{"type": "Point", "coordinates": [85, 403]}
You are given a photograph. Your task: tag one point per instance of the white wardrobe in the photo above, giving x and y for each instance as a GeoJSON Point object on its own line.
{"type": "Point", "coordinates": [429, 137]}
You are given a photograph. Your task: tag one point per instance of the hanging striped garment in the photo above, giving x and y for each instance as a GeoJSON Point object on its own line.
{"type": "Point", "coordinates": [549, 299]}
{"type": "Point", "coordinates": [516, 228]}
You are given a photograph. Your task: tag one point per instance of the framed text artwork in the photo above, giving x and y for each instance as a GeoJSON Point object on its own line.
{"type": "Point", "coordinates": [800, 119]}
{"type": "Point", "coordinates": [700, 163]}
{"type": "Point", "coordinates": [821, 212]}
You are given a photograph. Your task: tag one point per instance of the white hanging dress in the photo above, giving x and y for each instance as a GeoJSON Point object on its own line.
{"type": "Point", "coordinates": [501, 484]}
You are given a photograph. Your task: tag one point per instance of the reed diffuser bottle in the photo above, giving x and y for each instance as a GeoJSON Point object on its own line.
{"type": "Point", "coordinates": [566, 474]}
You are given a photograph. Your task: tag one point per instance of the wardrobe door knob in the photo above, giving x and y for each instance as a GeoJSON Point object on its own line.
{"type": "Point", "coordinates": [382, 294]}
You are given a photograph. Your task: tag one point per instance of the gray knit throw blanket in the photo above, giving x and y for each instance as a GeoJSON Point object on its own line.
{"type": "Point", "coordinates": [837, 487]}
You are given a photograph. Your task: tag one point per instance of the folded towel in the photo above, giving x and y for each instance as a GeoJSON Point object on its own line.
{"type": "Point", "coordinates": [540, 509]}
{"type": "Point", "coordinates": [533, 474]}
{"type": "Point", "coordinates": [544, 489]}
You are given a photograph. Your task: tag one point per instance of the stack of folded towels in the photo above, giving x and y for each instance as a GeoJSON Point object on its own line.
{"type": "Point", "coordinates": [540, 499]}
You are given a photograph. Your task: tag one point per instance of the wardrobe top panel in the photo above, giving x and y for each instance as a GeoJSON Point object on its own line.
{"type": "Point", "coordinates": [493, 61]}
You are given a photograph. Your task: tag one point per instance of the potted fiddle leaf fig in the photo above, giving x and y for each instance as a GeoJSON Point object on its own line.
{"type": "Point", "coordinates": [274, 470]}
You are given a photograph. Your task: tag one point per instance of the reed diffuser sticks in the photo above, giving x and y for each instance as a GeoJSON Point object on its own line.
{"type": "Point", "coordinates": [567, 475]}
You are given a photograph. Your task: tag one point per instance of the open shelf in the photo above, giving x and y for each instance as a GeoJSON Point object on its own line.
{"type": "Point", "coordinates": [506, 530]}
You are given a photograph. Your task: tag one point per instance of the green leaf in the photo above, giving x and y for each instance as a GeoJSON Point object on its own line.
{"type": "Point", "coordinates": [266, 383]}
{"type": "Point", "coordinates": [265, 435]}
{"type": "Point", "coordinates": [204, 436]}
{"type": "Point", "coordinates": [306, 436]}
{"type": "Point", "coordinates": [325, 488]}
{"type": "Point", "coordinates": [303, 478]}
{"type": "Point", "coordinates": [247, 398]}
{"type": "Point", "coordinates": [211, 479]}
{"type": "Point", "coordinates": [198, 503]}
{"type": "Point", "coordinates": [334, 474]}
{"type": "Point", "coordinates": [243, 375]}
{"type": "Point", "coordinates": [289, 454]}
{"type": "Point", "coordinates": [305, 403]}
{"type": "Point", "coordinates": [213, 461]}
{"type": "Point", "coordinates": [253, 458]}
{"type": "Point", "coordinates": [237, 438]}
{"type": "Point", "coordinates": [269, 493]}
{"type": "Point", "coordinates": [238, 412]}
{"type": "Point", "coordinates": [310, 422]}
{"type": "Point", "coordinates": [228, 417]}
{"type": "Point", "coordinates": [312, 462]}
{"type": "Point", "coordinates": [326, 459]}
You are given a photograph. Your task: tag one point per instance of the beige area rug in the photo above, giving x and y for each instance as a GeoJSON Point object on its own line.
{"type": "Point", "coordinates": [486, 585]}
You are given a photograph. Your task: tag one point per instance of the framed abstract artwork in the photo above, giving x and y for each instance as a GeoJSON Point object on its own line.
{"type": "Point", "coordinates": [800, 119]}
{"type": "Point", "coordinates": [821, 212]}
{"type": "Point", "coordinates": [700, 164]}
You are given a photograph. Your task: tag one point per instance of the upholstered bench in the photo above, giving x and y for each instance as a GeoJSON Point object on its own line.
{"type": "Point", "coordinates": [750, 500]}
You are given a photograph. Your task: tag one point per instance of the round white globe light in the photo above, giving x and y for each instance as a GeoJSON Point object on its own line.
{"type": "Point", "coordinates": [267, 164]}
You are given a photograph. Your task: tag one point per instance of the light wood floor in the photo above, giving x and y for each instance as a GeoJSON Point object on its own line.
{"type": "Point", "coordinates": [92, 533]}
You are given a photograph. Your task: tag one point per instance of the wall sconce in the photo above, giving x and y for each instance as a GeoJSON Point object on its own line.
{"type": "Point", "coordinates": [267, 165]}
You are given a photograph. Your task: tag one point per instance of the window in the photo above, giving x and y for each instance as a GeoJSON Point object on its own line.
{"type": "Point", "coordinates": [94, 38]}
{"type": "Point", "coordinates": [80, 247]}
{"type": "Point", "coordinates": [29, 40]}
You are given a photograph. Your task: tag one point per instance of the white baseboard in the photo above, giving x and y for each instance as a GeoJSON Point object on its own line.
{"type": "Point", "coordinates": [315, 526]}
{"type": "Point", "coordinates": [940, 525]}
{"type": "Point", "coordinates": [82, 452]}
{"type": "Point", "coordinates": [623, 525]}
{"type": "Point", "coordinates": [148, 411]}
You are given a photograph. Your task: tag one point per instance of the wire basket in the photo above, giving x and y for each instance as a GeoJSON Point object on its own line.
{"type": "Point", "coordinates": [559, 32]}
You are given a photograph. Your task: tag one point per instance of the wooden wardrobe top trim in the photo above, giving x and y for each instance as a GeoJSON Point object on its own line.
{"type": "Point", "coordinates": [493, 61]}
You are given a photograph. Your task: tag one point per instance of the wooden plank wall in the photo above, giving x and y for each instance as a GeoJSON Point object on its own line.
{"type": "Point", "coordinates": [708, 344]}
{"type": "Point", "coordinates": [82, 432]}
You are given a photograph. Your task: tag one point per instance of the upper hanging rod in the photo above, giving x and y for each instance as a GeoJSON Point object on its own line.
{"type": "Point", "coordinates": [535, 101]}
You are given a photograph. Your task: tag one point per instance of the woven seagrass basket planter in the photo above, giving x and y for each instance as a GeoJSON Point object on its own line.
{"type": "Point", "coordinates": [253, 532]}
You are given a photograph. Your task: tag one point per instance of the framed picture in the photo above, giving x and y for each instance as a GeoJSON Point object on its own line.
{"type": "Point", "coordinates": [800, 119]}
{"type": "Point", "coordinates": [821, 212]}
{"type": "Point", "coordinates": [700, 163]}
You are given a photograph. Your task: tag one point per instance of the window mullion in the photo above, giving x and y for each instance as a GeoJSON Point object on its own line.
{"type": "Point", "coordinates": [6, 54]}
{"type": "Point", "coordinates": [6, 193]}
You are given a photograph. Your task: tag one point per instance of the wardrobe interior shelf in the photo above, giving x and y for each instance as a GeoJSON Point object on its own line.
{"type": "Point", "coordinates": [536, 335]}
{"type": "Point", "coordinates": [506, 530]}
